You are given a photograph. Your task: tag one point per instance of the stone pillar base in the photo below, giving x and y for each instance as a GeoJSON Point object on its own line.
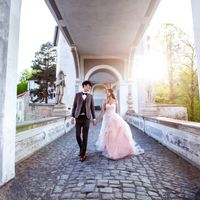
{"type": "Point", "coordinates": [150, 110]}
{"type": "Point", "coordinates": [60, 110]}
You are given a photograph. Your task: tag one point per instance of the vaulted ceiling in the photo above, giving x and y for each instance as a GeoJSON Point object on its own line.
{"type": "Point", "coordinates": [103, 27]}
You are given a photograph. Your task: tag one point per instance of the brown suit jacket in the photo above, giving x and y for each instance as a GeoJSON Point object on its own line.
{"type": "Point", "coordinates": [89, 106]}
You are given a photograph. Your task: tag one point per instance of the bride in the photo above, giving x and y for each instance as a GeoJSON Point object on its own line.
{"type": "Point", "coordinates": [115, 139]}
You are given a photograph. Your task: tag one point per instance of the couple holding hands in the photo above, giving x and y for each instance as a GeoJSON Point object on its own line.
{"type": "Point", "coordinates": [115, 138]}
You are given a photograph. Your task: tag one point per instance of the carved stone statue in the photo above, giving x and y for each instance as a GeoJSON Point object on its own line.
{"type": "Point", "coordinates": [60, 84]}
{"type": "Point", "coordinates": [150, 94]}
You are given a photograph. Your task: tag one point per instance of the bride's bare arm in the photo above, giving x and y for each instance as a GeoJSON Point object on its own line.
{"type": "Point", "coordinates": [101, 112]}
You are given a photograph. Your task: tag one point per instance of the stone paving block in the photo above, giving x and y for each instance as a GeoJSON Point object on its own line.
{"type": "Point", "coordinates": [80, 195]}
{"type": "Point", "coordinates": [130, 190]}
{"type": "Point", "coordinates": [153, 194]}
{"type": "Point", "coordinates": [58, 189]}
{"type": "Point", "coordinates": [94, 195]}
{"type": "Point", "coordinates": [66, 195]}
{"type": "Point", "coordinates": [108, 196]}
{"type": "Point", "coordinates": [127, 195]}
{"type": "Point", "coordinates": [106, 190]}
{"type": "Point", "coordinates": [88, 188]}
{"type": "Point", "coordinates": [143, 197]}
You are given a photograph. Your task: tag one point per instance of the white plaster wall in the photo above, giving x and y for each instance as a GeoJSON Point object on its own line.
{"type": "Point", "coordinates": [9, 110]}
{"type": "Point", "coordinates": [136, 121]}
{"type": "Point", "coordinates": [135, 91]}
{"type": "Point", "coordinates": [123, 95]}
{"type": "Point", "coordinates": [139, 83]}
{"type": "Point", "coordinates": [66, 63]}
{"type": "Point", "coordinates": [196, 24]}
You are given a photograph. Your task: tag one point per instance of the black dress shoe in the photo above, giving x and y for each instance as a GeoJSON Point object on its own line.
{"type": "Point", "coordinates": [82, 158]}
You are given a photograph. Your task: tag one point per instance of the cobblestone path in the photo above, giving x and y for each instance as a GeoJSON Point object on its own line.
{"type": "Point", "coordinates": [55, 172]}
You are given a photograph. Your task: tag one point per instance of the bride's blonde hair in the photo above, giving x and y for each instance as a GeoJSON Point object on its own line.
{"type": "Point", "coordinates": [112, 93]}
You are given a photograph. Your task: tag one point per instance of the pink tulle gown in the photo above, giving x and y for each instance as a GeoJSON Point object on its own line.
{"type": "Point", "coordinates": [115, 139]}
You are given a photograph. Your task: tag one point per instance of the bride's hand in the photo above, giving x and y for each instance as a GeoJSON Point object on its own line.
{"type": "Point", "coordinates": [73, 120]}
{"type": "Point", "coordinates": [94, 122]}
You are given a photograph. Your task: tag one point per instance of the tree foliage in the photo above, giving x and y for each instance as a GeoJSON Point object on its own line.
{"type": "Point", "coordinates": [44, 66]}
{"type": "Point", "coordinates": [22, 86]}
{"type": "Point", "coordinates": [181, 86]}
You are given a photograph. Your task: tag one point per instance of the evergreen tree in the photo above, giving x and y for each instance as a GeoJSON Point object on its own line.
{"type": "Point", "coordinates": [44, 67]}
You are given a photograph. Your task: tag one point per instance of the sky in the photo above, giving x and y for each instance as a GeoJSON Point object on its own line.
{"type": "Point", "coordinates": [177, 12]}
{"type": "Point", "coordinates": [36, 27]}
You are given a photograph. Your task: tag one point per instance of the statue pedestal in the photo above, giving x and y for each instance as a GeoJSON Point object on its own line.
{"type": "Point", "coordinates": [150, 110]}
{"type": "Point", "coordinates": [60, 110]}
{"type": "Point", "coordinates": [130, 108]}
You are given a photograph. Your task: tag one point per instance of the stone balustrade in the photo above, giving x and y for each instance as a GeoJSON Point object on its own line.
{"type": "Point", "coordinates": [33, 135]}
{"type": "Point", "coordinates": [181, 137]}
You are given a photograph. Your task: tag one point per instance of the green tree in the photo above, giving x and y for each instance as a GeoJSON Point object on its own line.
{"type": "Point", "coordinates": [22, 86]}
{"type": "Point", "coordinates": [162, 92]}
{"type": "Point", "coordinates": [44, 66]}
{"type": "Point", "coordinates": [170, 40]}
{"type": "Point", "coordinates": [182, 87]}
{"type": "Point", "coordinates": [188, 81]}
{"type": "Point", "coordinates": [26, 75]}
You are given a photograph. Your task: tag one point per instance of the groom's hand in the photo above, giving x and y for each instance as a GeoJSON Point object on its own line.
{"type": "Point", "coordinates": [73, 120]}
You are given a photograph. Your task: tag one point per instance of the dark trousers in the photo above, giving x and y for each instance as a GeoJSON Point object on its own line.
{"type": "Point", "coordinates": [82, 126]}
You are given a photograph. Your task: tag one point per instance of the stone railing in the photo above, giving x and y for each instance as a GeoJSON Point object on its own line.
{"type": "Point", "coordinates": [182, 137]}
{"type": "Point", "coordinates": [33, 135]}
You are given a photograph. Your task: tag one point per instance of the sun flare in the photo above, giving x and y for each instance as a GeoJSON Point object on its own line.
{"type": "Point", "coordinates": [153, 68]}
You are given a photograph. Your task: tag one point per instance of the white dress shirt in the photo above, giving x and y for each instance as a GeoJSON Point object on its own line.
{"type": "Point", "coordinates": [84, 96]}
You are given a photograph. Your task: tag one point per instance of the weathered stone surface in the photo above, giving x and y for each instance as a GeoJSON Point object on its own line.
{"type": "Point", "coordinates": [88, 188]}
{"type": "Point", "coordinates": [106, 190]}
{"type": "Point", "coordinates": [128, 195]}
{"type": "Point", "coordinates": [55, 172]}
{"type": "Point", "coordinates": [180, 136]}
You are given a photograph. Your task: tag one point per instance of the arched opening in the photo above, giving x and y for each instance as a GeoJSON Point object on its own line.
{"type": "Point", "coordinates": [102, 78]}
{"type": "Point", "coordinates": [99, 93]}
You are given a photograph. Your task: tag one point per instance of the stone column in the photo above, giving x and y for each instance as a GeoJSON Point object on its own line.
{"type": "Point", "coordinates": [196, 24]}
{"type": "Point", "coordinates": [66, 64]}
{"type": "Point", "coordinates": [9, 41]}
{"type": "Point", "coordinates": [130, 98]}
{"type": "Point", "coordinates": [130, 104]}
{"type": "Point", "coordinates": [123, 97]}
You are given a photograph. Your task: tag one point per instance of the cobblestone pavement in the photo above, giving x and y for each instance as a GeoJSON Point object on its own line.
{"type": "Point", "coordinates": [55, 172]}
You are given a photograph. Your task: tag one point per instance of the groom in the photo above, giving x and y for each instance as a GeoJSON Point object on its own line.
{"type": "Point", "coordinates": [82, 110]}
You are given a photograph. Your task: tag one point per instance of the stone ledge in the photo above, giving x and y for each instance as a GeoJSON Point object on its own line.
{"type": "Point", "coordinates": [192, 127]}
{"type": "Point", "coordinates": [44, 132]}
{"type": "Point", "coordinates": [181, 137]}
{"type": "Point", "coordinates": [36, 123]}
{"type": "Point", "coordinates": [42, 104]}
